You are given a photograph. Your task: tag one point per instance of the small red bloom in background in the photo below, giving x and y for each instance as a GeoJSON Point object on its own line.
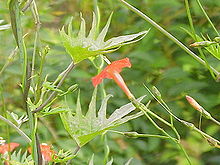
{"type": "Point", "coordinates": [4, 148]}
{"type": "Point", "coordinates": [194, 103]}
{"type": "Point", "coordinates": [46, 151]}
{"type": "Point", "coordinates": [112, 72]}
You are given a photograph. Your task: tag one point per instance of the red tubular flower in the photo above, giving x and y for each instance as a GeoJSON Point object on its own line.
{"type": "Point", "coordinates": [4, 148]}
{"type": "Point", "coordinates": [112, 72]}
{"type": "Point", "coordinates": [46, 151]}
{"type": "Point", "coordinates": [194, 104]}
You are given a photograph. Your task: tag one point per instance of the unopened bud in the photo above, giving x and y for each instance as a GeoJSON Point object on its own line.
{"type": "Point", "coordinates": [198, 107]}
{"type": "Point", "coordinates": [202, 44]}
{"type": "Point", "coordinates": [131, 134]}
{"type": "Point", "coordinates": [194, 103]}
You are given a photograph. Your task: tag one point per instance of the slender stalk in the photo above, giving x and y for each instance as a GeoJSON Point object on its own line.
{"type": "Point", "coordinates": [27, 5]}
{"type": "Point", "coordinates": [63, 76]}
{"type": "Point", "coordinates": [171, 37]}
{"type": "Point", "coordinates": [30, 115]}
{"type": "Point", "coordinates": [215, 121]}
{"type": "Point", "coordinates": [192, 126]}
{"type": "Point", "coordinates": [142, 107]}
{"type": "Point", "coordinates": [188, 124]}
{"type": "Point", "coordinates": [34, 144]}
{"type": "Point", "coordinates": [184, 152]}
{"type": "Point", "coordinates": [36, 40]}
{"type": "Point", "coordinates": [137, 135]}
{"type": "Point", "coordinates": [145, 110]}
{"type": "Point", "coordinates": [39, 74]}
{"type": "Point", "coordinates": [207, 17]}
{"type": "Point", "coordinates": [195, 37]}
{"type": "Point", "coordinates": [16, 128]}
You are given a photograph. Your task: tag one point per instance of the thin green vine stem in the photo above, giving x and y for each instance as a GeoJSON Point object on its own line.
{"type": "Point", "coordinates": [36, 39]}
{"type": "Point", "coordinates": [137, 135]}
{"type": "Point", "coordinates": [145, 110]}
{"type": "Point", "coordinates": [158, 117]}
{"type": "Point", "coordinates": [195, 37]}
{"type": "Point", "coordinates": [215, 121]}
{"type": "Point", "coordinates": [26, 138]}
{"type": "Point", "coordinates": [207, 17]}
{"type": "Point", "coordinates": [188, 124]}
{"type": "Point", "coordinates": [170, 36]}
{"type": "Point", "coordinates": [34, 145]}
{"type": "Point", "coordinates": [170, 137]}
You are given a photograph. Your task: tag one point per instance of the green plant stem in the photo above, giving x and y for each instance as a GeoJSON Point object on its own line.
{"type": "Point", "coordinates": [62, 77]}
{"type": "Point", "coordinates": [27, 5]}
{"type": "Point", "coordinates": [188, 124]}
{"type": "Point", "coordinates": [192, 126]}
{"type": "Point", "coordinates": [16, 128]}
{"type": "Point", "coordinates": [184, 152]}
{"type": "Point", "coordinates": [39, 75]}
{"type": "Point", "coordinates": [34, 144]}
{"type": "Point", "coordinates": [215, 121]}
{"type": "Point", "coordinates": [194, 34]}
{"type": "Point", "coordinates": [145, 111]}
{"type": "Point", "coordinates": [171, 37]}
{"type": "Point", "coordinates": [141, 107]}
{"type": "Point", "coordinates": [171, 116]}
{"type": "Point", "coordinates": [31, 120]}
{"type": "Point", "coordinates": [36, 40]}
{"type": "Point", "coordinates": [207, 17]}
{"type": "Point", "coordinates": [137, 135]}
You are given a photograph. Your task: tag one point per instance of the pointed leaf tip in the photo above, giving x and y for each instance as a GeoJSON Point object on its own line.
{"type": "Point", "coordinates": [104, 31]}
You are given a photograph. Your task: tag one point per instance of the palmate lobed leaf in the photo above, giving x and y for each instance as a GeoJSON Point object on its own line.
{"type": "Point", "coordinates": [83, 128]}
{"type": "Point", "coordinates": [81, 47]}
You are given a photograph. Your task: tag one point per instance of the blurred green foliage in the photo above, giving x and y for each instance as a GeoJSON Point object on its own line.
{"type": "Point", "coordinates": [155, 61]}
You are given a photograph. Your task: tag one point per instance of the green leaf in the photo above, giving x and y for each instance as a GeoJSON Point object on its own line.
{"type": "Point", "coordinates": [15, 18]}
{"type": "Point", "coordinates": [82, 47]}
{"type": "Point", "coordinates": [83, 128]}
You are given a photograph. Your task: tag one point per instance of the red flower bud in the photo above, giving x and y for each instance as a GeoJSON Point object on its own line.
{"type": "Point", "coordinates": [194, 104]}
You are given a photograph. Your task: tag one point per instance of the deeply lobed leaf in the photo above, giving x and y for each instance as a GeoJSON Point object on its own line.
{"type": "Point", "coordinates": [82, 47]}
{"type": "Point", "coordinates": [83, 128]}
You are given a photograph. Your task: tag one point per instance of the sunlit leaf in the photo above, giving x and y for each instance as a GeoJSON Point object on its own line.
{"type": "Point", "coordinates": [82, 46]}
{"type": "Point", "coordinates": [83, 128]}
